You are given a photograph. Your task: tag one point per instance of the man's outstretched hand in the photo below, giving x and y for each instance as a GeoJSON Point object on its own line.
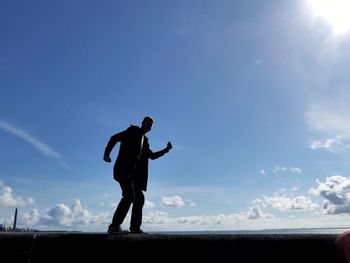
{"type": "Point", "coordinates": [107, 159]}
{"type": "Point", "coordinates": [169, 146]}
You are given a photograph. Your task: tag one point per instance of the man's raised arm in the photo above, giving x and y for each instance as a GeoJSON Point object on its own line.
{"type": "Point", "coordinates": [155, 155]}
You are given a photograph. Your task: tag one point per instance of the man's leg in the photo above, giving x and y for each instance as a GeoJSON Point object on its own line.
{"type": "Point", "coordinates": [128, 196]}
{"type": "Point", "coordinates": [136, 214]}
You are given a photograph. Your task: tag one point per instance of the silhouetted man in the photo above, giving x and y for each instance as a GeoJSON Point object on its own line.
{"type": "Point", "coordinates": [131, 171]}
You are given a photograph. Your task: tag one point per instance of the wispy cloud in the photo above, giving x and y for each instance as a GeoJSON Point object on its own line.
{"type": "Point", "coordinates": [336, 144]}
{"type": "Point", "coordinates": [37, 144]}
{"type": "Point", "coordinates": [279, 169]}
{"type": "Point", "coordinates": [331, 120]}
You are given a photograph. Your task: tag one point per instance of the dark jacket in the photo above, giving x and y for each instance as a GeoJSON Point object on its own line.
{"type": "Point", "coordinates": [129, 161]}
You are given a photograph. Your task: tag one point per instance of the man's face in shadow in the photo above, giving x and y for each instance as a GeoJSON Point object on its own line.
{"type": "Point", "coordinates": [146, 125]}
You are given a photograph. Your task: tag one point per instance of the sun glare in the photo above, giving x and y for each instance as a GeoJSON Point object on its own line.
{"type": "Point", "coordinates": [336, 12]}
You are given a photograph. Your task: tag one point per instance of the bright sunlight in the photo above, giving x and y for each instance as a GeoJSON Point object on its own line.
{"type": "Point", "coordinates": [336, 12]}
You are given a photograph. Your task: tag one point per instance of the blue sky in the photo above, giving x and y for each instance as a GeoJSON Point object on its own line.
{"type": "Point", "coordinates": [252, 94]}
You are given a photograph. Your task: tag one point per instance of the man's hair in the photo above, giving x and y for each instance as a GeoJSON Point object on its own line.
{"type": "Point", "coordinates": [147, 118]}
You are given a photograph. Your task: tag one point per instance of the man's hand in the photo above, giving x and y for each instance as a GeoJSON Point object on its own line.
{"type": "Point", "coordinates": [169, 146]}
{"type": "Point", "coordinates": [107, 159]}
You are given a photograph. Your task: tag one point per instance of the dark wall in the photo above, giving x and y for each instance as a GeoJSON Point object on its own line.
{"type": "Point", "coordinates": [83, 247]}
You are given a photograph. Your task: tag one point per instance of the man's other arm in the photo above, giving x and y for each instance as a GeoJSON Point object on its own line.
{"type": "Point", "coordinates": [111, 143]}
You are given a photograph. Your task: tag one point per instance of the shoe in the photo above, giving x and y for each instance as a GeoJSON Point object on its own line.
{"type": "Point", "coordinates": [138, 231]}
{"type": "Point", "coordinates": [117, 229]}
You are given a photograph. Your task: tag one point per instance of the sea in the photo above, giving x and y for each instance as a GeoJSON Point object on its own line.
{"type": "Point", "coordinates": [257, 232]}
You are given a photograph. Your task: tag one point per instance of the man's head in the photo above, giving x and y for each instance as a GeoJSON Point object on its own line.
{"type": "Point", "coordinates": [147, 124]}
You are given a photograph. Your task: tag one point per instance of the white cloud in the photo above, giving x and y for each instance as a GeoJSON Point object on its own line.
{"type": "Point", "coordinates": [175, 201]}
{"type": "Point", "coordinates": [7, 199]}
{"type": "Point", "coordinates": [279, 169]}
{"type": "Point", "coordinates": [255, 212]}
{"type": "Point", "coordinates": [149, 204]}
{"type": "Point", "coordinates": [37, 144]}
{"type": "Point", "coordinates": [336, 192]}
{"type": "Point", "coordinates": [283, 203]}
{"type": "Point", "coordinates": [293, 170]}
{"type": "Point", "coordinates": [262, 171]}
{"type": "Point", "coordinates": [75, 215]}
{"type": "Point", "coordinates": [161, 218]}
{"type": "Point", "coordinates": [189, 202]}
{"type": "Point", "coordinates": [6, 221]}
{"type": "Point", "coordinates": [32, 217]}
{"type": "Point", "coordinates": [172, 201]}
{"type": "Point", "coordinates": [208, 220]}
{"type": "Point", "coordinates": [156, 218]}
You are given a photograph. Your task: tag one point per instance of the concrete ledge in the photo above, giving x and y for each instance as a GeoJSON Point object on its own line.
{"type": "Point", "coordinates": [95, 247]}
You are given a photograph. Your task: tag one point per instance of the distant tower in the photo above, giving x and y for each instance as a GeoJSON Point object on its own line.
{"type": "Point", "coordinates": [15, 221]}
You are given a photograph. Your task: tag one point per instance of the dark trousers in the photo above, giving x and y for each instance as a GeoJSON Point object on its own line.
{"type": "Point", "coordinates": [130, 195]}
